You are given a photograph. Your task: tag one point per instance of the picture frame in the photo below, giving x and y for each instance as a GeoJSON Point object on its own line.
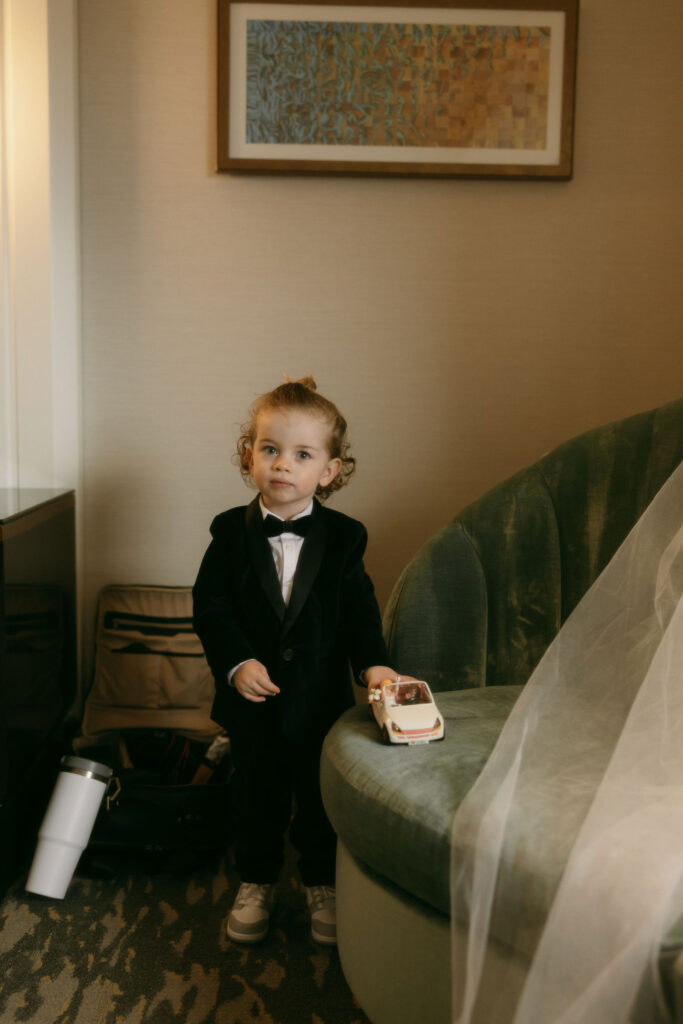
{"type": "Point", "coordinates": [385, 88]}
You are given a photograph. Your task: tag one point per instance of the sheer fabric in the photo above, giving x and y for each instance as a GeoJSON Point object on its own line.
{"type": "Point", "coordinates": [567, 862]}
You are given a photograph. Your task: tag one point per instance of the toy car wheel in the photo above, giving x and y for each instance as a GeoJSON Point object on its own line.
{"type": "Point", "coordinates": [385, 735]}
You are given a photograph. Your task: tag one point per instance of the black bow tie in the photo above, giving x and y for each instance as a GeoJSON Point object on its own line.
{"type": "Point", "coordinates": [274, 526]}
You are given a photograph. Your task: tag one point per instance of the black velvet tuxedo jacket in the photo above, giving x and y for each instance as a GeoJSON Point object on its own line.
{"type": "Point", "coordinates": [332, 619]}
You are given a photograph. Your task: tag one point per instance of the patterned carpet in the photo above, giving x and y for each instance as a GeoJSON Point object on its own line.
{"type": "Point", "coordinates": [150, 948]}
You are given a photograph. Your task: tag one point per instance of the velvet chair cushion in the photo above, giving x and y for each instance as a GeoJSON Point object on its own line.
{"type": "Point", "coordinates": [393, 805]}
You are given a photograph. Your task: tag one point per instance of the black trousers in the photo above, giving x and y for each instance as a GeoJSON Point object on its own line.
{"type": "Point", "coordinates": [273, 777]}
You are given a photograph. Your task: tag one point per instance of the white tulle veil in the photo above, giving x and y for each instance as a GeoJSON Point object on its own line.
{"type": "Point", "coordinates": [567, 861]}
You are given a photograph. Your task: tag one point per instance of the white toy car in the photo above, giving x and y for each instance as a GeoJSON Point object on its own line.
{"type": "Point", "coordinates": [405, 712]}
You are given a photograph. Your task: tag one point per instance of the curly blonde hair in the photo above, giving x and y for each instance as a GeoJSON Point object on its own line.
{"type": "Point", "coordinates": [301, 394]}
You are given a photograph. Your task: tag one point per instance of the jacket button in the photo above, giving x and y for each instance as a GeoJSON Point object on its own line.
{"type": "Point", "coordinates": [288, 654]}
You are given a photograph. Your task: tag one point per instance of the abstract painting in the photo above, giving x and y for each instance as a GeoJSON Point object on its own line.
{"type": "Point", "coordinates": [381, 89]}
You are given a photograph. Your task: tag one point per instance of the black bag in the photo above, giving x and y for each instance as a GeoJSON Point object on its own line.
{"type": "Point", "coordinates": [169, 794]}
{"type": "Point", "coordinates": [147, 816]}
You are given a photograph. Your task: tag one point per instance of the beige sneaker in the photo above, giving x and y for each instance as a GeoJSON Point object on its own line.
{"type": "Point", "coordinates": [250, 915]}
{"type": "Point", "coordinates": [322, 906]}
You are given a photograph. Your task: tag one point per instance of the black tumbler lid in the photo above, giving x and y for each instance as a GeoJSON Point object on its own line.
{"type": "Point", "coordinates": [83, 766]}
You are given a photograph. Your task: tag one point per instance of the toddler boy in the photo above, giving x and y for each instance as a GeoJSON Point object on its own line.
{"type": "Point", "coordinates": [282, 604]}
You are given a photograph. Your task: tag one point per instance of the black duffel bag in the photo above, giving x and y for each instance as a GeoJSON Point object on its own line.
{"type": "Point", "coordinates": [169, 813]}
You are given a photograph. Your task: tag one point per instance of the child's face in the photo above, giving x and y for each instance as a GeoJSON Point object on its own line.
{"type": "Point", "coordinates": [289, 458]}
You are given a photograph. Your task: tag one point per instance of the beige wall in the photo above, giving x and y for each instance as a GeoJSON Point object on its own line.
{"type": "Point", "coordinates": [464, 327]}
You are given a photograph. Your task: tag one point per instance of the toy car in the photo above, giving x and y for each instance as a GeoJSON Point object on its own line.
{"type": "Point", "coordinates": [405, 712]}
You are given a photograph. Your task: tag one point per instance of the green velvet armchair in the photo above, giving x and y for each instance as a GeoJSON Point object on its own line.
{"type": "Point", "coordinates": [472, 614]}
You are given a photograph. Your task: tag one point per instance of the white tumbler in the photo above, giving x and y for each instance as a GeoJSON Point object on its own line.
{"type": "Point", "coordinates": [67, 825]}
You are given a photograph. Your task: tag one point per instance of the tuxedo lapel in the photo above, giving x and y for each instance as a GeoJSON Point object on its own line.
{"type": "Point", "coordinates": [262, 558]}
{"type": "Point", "coordinates": [308, 565]}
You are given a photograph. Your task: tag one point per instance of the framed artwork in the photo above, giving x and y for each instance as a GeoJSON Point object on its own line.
{"type": "Point", "coordinates": [385, 88]}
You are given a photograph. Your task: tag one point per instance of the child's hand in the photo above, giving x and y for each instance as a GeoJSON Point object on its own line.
{"type": "Point", "coordinates": [379, 674]}
{"type": "Point", "coordinates": [252, 681]}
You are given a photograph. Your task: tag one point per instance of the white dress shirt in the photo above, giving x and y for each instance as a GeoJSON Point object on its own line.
{"type": "Point", "coordinates": [286, 550]}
